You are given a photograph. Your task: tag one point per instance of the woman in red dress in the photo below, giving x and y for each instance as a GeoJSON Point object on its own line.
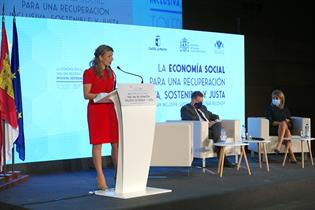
{"type": "Point", "coordinates": [102, 121]}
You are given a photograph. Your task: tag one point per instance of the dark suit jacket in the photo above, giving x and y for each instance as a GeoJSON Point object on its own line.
{"type": "Point", "coordinates": [188, 112]}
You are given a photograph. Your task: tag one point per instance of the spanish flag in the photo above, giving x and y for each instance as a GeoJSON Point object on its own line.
{"type": "Point", "coordinates": [7, 104]}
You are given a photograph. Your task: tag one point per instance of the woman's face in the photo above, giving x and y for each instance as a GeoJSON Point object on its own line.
{"type": "Point", "coordinates": [107, 58]}
{"type": "Point", "coordinates": [276, 98]}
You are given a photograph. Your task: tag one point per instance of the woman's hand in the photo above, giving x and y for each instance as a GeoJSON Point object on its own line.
{"type": "Point", "coordinates": [211, 123]}
{"type": "Point", "coordinates": [276, 123]}
{"type": "Point", "coordinates": [87, 92]}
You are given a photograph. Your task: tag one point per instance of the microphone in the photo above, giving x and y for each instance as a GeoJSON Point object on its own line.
{"type": "Point", "coordinates": [115, 81]}
{"type": "Point", "coordinates": [131, 74]}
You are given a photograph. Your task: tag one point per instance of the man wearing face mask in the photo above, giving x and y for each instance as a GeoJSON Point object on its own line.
{"type": "Point", "coordinates": [196, 111]}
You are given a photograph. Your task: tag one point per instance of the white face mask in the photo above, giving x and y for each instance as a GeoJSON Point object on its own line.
{"type": "Point", "coordinates": [276, 102]}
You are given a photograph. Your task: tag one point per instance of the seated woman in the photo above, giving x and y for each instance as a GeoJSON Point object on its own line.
{"type": "Point", "coordinates": [280, 123]}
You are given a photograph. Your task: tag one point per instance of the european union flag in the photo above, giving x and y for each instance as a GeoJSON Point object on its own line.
{"type": "Point", "coordinates": [15, 65]}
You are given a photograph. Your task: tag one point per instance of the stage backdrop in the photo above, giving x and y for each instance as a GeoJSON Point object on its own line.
{"type": "Point", "coordinates": [54, 54]}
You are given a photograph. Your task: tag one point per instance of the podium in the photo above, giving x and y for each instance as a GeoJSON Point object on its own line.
{"type": "Point", "coordinates": [135, 106]}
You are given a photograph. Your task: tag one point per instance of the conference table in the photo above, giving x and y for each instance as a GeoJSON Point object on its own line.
{"type": "Point", "coordinates": [303, 140]}
{"type": "Point", "coordinates": [261, 144]}
{"type": "Point", "coordinates": [223, 145]}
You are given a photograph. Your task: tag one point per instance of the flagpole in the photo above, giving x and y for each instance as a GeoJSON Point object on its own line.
{"type": "Point", "coordinates": [12, 166]}
{"type": "Point", "coordinates": [13, 154]}
{"type": "Point", "coordinates": [2, 127]}
{"type": "Point", "coordinates": [4, 149]}
{"type": "Point", "coordinates": [3, 12]}
{"type": "Point", "coordinates": [14, 13]}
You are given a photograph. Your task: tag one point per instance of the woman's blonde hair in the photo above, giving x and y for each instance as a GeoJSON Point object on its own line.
{"type": "Point", "coordinates": [280, 95]}
{"type": "Point", "coordinates": [98, 70]}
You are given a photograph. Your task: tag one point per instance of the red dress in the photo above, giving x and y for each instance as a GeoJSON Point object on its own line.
{"type": "Point", "coordinates": [102, 120]}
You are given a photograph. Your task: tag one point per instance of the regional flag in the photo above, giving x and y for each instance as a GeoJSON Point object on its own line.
{"type": "Point", "coordinates": [15, 69]}
{"type": "Point", "coordinates": [7, 104]}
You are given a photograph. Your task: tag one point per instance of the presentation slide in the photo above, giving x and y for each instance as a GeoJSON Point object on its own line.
{"type": "Point", "coordinates": [55, 53]}
{"type": "Point", "coordinates": [158, 13]}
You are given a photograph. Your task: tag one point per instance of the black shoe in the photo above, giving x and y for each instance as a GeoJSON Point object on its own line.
{"type": "Point", "coordinates": [293, 161]}
{"type": "Point", "coordinates": [228, 164]}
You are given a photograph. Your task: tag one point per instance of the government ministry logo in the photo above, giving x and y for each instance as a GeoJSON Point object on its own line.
{"type": "Point", "coordinates": [184, 45]}
{"type": "Point", "coordinates": [157, 44]}
{"type": "Point", "coordinates": [219, 47]}
{"type": "Point", "coordinates": [158, 41]}
{"type": "Point", "coordinates": [190, 46]}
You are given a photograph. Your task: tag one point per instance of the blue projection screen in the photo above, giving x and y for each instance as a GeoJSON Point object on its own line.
{"type": "Point", "coordinates": [54, 54]}
{"type": "Point", "coordinates": [158, 13]}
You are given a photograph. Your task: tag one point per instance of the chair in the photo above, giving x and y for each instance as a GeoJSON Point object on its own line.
{"type": "Point", "coordinates": [203, 146]}
{"type": "Point", "coordinates": [173, 144]}
{"type": "Point", "coordinates": [259, 127]}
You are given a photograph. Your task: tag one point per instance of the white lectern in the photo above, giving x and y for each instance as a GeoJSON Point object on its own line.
{"type": "Point", "coordinates": [135, 106]}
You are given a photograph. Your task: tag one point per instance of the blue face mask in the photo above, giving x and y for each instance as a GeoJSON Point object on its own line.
{"type": "Point", "coordinates": [276, 102]}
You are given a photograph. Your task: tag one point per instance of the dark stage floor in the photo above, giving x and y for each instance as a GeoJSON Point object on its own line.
{"type": "Point", "coordinates": [289, 187]}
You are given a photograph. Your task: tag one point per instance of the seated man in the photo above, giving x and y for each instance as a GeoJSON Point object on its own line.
{"type": "Point", "coordinates": [196, 111]}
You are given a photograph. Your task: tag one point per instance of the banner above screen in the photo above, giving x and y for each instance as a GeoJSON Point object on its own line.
{"type": "Point", "coordinates": [159, 13]}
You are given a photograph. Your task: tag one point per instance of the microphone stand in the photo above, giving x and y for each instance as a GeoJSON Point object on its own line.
{"type": "Point", "coordinates": [131, 74]}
